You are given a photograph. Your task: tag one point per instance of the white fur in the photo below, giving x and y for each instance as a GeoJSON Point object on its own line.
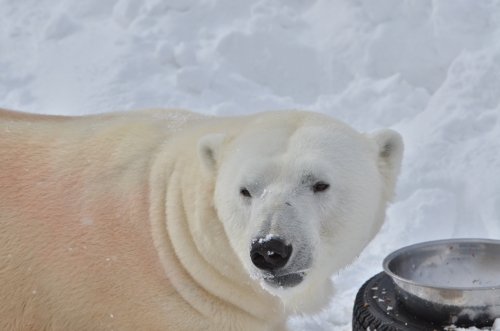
{"type": "Point", "coordinates": [135, 221]}
{"type": "Point", "coordinates": [270, 157]}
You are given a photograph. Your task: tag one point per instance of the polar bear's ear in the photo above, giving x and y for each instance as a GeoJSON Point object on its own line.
{"type": "Point", "coordinates": [390, 153]}
{"type": "Point", "coordinates": [209, 148]}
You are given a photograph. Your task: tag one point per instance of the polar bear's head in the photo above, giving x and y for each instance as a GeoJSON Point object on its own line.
{"type": "Point", "coordinates": [300, 195]}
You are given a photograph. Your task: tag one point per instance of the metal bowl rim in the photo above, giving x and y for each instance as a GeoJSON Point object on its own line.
{"type": "Point", "coordinates": [410, 248]}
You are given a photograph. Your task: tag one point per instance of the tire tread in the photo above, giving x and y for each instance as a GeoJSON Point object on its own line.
{"type": "Point", "coordinates": [371, 313]}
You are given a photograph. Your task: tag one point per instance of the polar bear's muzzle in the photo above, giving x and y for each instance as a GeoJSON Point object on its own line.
{"type": "Point", "coordinates": [271, 255]}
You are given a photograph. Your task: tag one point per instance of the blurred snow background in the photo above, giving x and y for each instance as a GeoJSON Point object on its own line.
{"type": "Point", "coordinates": [427, 68]}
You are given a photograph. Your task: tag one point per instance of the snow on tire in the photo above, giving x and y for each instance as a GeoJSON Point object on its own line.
{"type": "Point", "coordinates": [376, 308]}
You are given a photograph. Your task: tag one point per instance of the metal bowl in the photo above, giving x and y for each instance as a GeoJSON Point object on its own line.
{"type": "Point", "coordinates": [455, 281]}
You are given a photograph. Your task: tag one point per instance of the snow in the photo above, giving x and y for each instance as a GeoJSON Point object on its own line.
{"type": "Point", "coordinates": [429, 69]}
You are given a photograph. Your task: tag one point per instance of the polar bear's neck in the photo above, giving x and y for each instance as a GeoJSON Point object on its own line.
{"type": "Point", "coordinates": [193, 246]}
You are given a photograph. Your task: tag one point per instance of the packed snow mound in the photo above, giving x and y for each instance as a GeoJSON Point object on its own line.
{"type": "Point", "coordinates": [429, 69]}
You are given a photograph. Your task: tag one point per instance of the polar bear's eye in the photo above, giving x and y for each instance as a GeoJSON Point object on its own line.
{"type": "Point", "coordinates": [320, 187]}
{"type": "Point", "coordinates": [244, 192]}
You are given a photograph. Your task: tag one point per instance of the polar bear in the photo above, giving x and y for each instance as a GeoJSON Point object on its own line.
{"type": "Point", "coordinates": [170, 220]}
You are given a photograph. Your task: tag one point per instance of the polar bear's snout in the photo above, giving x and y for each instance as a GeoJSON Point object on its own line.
{"type": "Point", "coordinates": [277, 261]}
{"type": "Point", "coordinates": [270, 254]}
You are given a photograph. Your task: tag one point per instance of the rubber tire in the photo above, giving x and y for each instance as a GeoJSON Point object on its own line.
{"type": "Point", "coordinates": [376, 308]}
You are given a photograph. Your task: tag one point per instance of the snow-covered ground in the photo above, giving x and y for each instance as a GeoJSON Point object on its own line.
{"type": "Point", "coordinates": [427, 68]}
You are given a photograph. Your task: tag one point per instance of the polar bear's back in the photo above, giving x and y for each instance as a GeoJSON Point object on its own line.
{"type": "Point", "coordinates": [74, 227]}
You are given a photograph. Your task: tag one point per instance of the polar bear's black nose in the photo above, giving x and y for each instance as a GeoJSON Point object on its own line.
{"type": "Point", "coordinates": [270, 254]}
